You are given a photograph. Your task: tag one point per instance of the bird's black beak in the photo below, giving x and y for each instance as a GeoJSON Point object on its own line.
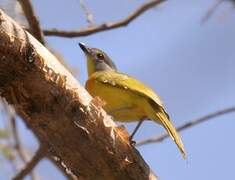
{"type": "Point", "coordinates": [84, 48]}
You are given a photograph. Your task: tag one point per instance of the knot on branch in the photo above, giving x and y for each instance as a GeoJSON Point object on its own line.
{"type": "Point", "coordinates": [30, 53]}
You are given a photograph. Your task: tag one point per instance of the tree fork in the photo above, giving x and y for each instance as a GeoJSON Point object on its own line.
{"type": "Point", "coordinates": [60, 112]}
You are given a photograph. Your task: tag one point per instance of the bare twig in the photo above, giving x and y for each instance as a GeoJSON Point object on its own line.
{"type": "Point", "coordinates": [214, 7]}
{"type": "Point", "coordinates": [105, 26]}
{"type": "Point", "coordinates": [187, 125]}
{"type": "Point", "coordinates": [211, 10]}
{"type": "Point", "coordinates": [32, 19]}
{"type": "Point", "coordinates": [41, 152]}
{"type": "Point", "coordinates": [22, 153]}
{"type": "Point", "coordinates": [18, 146]}
{"type": "Point", "coordinates": [7, 150]}
{"type": "Point", "coordinates": [17, 143]}
{"type": "Point", "coordinates": [89, 16]}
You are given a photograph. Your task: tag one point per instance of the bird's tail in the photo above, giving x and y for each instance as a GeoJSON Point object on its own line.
{"type": "Point", "coordinates": [164, 119]}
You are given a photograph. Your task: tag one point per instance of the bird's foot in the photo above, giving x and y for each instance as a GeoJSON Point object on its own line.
{"type": "Point", "coordinates": [132, 142]}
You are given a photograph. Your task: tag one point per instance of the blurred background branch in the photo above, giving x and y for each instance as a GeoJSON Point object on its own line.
{"type": "Point", "coordinates": [213, 8]}
{"type": "Point", "coordinates": [187, 125]}
{"type": "Point", "coordinates": [88, 14]}
{"type": "Point", "coordinates": [105, 26]}
{"type": "Point", "coordinates": [30, 165]}
{"type": "Point", "coordinates": [18, 146]}
{"type": "Point", "coordinates": [33, 21]}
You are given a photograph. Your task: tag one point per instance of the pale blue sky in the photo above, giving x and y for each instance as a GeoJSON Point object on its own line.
{"type": "Point", "coordinates": [190, 65]}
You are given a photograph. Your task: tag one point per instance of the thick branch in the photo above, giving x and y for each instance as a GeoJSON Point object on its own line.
{"type": "Point", "coordinates": [60, 112]}
{"type": "Point", "coordinates": [32, 20]}
{"type": "Point", "coordinates": [187, 125]}
{"type": "Point", "coordinates": [41, 152]}
{"type": "Point", "coordinates": [105, 26]}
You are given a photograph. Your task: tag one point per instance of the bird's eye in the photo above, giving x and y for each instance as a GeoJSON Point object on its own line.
{"type": "Point", "coordinates": [100, 55]}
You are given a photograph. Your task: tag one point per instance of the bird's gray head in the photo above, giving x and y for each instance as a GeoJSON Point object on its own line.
{"type": "Point", "coordinates": [97, 60]}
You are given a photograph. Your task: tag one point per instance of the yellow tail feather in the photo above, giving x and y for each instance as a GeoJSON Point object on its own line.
{"type": "Point", "coordinates": [167, 124]}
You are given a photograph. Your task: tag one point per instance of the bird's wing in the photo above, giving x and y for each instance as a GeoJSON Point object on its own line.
{"type": "Point", "coordinates": [124, 81]}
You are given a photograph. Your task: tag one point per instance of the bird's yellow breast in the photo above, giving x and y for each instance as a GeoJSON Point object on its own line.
{"type": "Point", "coordinates": [121, 102]}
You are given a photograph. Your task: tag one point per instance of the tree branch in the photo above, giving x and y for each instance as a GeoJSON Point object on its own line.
{"type": "Point", "coordinates": [32, 19]}
{"type": "Point", "coordinates": [211, 10]}
{"type": "Point", "coordinates": [39, 155]}
{"type": "Point", "coordinates": [187, 125]}
{"type": "Point", "coordinates": [61, 113]}
{"type": "Point", "coordinates": [22, 153]}
{"type": "Point", "coordinates": [17, 143]}
{"type": "Point", "coordinates": [105, 26]}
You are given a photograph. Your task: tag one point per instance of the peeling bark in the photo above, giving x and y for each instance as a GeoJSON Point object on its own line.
{"type": "Point", "coordinates": [60, 112]}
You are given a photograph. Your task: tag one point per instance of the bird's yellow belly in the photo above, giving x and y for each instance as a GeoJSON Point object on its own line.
{"type": "Point", "coordinates": [121, 104]}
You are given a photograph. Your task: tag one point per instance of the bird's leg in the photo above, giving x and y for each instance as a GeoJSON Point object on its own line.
{"type": "Point", "coordinates": [134, 132]}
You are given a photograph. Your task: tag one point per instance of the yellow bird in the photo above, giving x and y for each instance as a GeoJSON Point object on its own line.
{"type": "Point", "coordinates": [127, 99]}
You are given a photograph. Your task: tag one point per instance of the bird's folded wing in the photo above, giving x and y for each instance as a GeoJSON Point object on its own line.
{"type": "Point", "coordinates": [124, 81]}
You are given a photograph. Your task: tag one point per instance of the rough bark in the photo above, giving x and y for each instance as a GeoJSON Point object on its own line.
{"type": "Point", "coordinates": [60, 112]}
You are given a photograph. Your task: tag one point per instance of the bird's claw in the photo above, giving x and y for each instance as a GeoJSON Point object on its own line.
{"type": "Point", "coordinates": [132, 142]}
